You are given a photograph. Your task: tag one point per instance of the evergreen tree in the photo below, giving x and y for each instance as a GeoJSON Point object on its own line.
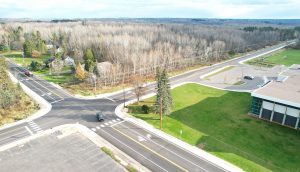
{"type": "Point", "coordinates": [163, 97]}
{"type": "Point", "coordinates": [89, 60]}
{"type": "Point", "coordinates": [27, 49]}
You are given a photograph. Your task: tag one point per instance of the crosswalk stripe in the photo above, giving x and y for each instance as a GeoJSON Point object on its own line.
{"type": "Point", "coordinates": [98, 127]}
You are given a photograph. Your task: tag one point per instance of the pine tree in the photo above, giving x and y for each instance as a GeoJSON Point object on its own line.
{"type": "Point", "coordinates": [89, 60]}
{"type": "Point", "coordinates": [27, 49]}
{"type": "Point", "coordinates": [163, 96]}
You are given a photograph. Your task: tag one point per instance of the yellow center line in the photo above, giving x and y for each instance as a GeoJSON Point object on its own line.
{"type": "Point", "coordinates": [39, 84]}
{"type": "Point", "coordinates": [178, 166]}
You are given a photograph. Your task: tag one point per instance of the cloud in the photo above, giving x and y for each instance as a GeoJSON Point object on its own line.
{"type": "Point", "coordinates": [146, 8]}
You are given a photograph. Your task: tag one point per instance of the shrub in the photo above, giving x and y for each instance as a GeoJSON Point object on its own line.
{"type": "Point", "coordinates": [7, 98]}
{"type": "Point", "coordinates": [145, 109]}
{"type": "Point", "coordinates": [4, 48]}
{"type": "Point", "coordinates": [35, 66]}
{"type": "Point", "coordinates": [36, 54]}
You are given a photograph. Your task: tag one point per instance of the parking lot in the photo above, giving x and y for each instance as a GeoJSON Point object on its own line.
{"type": "Point", "coordinates": [50, 153]}
{"type": "Point", "coordinates": [233, 79]}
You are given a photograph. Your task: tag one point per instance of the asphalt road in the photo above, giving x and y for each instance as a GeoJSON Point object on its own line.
{"type": "Point", "coordinates": [155, 153]}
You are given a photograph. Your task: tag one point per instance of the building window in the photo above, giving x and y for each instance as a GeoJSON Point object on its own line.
{"type": "Point", "coordinates": [256, 105]}
{"type": "Point", "coordinates": [278, 117]}
{"type": "Point", "coordinates": [290, 121]}
{"type": "Point", "coordinates": [266, 114]}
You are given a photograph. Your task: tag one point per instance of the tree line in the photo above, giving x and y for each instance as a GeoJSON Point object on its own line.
{"type": "Point", "coordinates": [138, 49]}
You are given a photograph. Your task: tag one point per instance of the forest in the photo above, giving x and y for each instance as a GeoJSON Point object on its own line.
{"type": "Point", "coordinates": [127, 49]}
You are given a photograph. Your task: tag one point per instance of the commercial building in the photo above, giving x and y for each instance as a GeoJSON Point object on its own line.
{"type": "Point", "coordinates": [279, 101]}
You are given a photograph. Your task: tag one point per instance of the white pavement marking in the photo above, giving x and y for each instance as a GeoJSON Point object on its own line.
{"type": "Point", "coordinates": [102, 125]}
{"type": "Point", "coordinates": [118, 119]}
{"type": "Point", "coordinates": [149, 136]}
{"type": "Point", "coordinates": [49, 94]}
{"type": "Point", "coordinates": [98, 127]}
{"type": "Point", "coordinates": [31, 133]}
{"type": "Point", "coordinates": [114, 120]}
{"type": "Point", "coordinates": [134, 151]}
{"type": "Point", "coordinates": [56, 101]}
{"type": "Point", "coordinates": [141, 139]}
{"type": "Point", "coordinates": [106, 123]}
{"type": "Point", "coordinates": [110, 99]}
{"type": "Point", "coordinates": [169, 149]}
{"type": "Point", "coordinates": [94, 129]}
{"type": "Point", "coordinates": [117, 123]}
{"type": "Point", "coordinates": [110, 122]}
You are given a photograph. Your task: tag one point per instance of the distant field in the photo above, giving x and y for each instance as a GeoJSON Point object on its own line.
{"type": "Point", "coordinates": [286, 57]}
{"type": "Point", "coordinates": [217, 121]}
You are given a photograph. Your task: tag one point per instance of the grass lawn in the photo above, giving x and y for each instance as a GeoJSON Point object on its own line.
{"type": "Point", "coordinates": [220, 71]}
{"type": "Point", "coordinates": [286, 57]}
{"type": "Point", "coordinates": [16, 56]}
{"type": "Point", "coordinates": [217, 121]}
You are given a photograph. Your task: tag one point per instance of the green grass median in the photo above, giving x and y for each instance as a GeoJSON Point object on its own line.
{"type": "Point", "coordinates": [217, 121]}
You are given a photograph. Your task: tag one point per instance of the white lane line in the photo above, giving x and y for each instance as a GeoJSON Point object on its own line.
{"type": "Point", "coordinates": [31, 133]}
{"type": "Point", "coordinates": [102, 125]}
{"type": "Point", "coordinates": [134, 151]}
{"type": "Point", "coordinates": [110, 122]}
{"type": "Point", "coordinates": [117, 123]}
{"type": "Point", "coordinates": [57, 101]}
{"type": "Point", "coordinates": [98, 127]}
{"type": "Point", "coordinates": [106, 123]}
{"type": "Point", "coordinates": [163, 147]}
{"type": "Point", "coordinates": [118, 119]}
{"type": "Point", "coordinates": [3, 139]}
{"type": "Point", "coordinates": [6, 132]}
{"type": "Point", "coordinates": [93, 129]}
{"type": "Point", "coordinates": [110, 99]}
{"type": "Point", "coordinates": [114, 120]}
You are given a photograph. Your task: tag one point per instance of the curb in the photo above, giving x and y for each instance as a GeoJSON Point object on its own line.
{"type": "Point", "coordinates": [45, 107]}
{"type": "Point", "coordinates": [104, 95]}
{"type": "Point", "coordinates": [179, 143]}
{"type": "Point", "coordinates": [215, 71]}
{"type": "Point", "coordinates": [68, 129]}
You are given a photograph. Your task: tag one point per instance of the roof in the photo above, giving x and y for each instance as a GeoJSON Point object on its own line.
{"type": "Point", "coordinates": [285, 91]}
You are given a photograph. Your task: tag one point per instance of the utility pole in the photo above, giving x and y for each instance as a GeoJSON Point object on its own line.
{"type": "Point", "coordinates": [124, 95]}
{"type": "Point", "coordinates": [161, 115]}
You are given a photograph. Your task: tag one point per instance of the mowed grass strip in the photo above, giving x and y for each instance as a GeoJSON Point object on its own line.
{"type": "Point", "coordinates": [285, 57]}
{"type": "Point", "coordinates": [217, 121]}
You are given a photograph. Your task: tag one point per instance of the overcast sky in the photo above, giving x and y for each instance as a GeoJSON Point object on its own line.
{"type": "Point", "coordinates": [271, 9]}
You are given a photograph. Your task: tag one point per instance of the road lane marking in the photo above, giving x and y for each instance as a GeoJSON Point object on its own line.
{"type": "Point", "coordinates": [149, 137]}
{"type": "Point", "coordinates": [110, 99]}
{"type": "Point", "coordinates": [117, 123]}
{"type": "Point", "coordinates": [3, 139]}
{"type": "Point", "coordinates": [16, 68]}
{"type": "Point", "coordinates": [9, 131]}
{"type": "Point", "coordinates": [178, 166]}
{"type": "Point", "coordinates": [31, 133]}
{"type": "Point", "coordinates": [134, 151]}
{"type": "Point", "coordinates": [98, 127]}
{"type": "Point", "coordinates": [93, 129]}
{"type": "Point", "coordinates": [114, 120]}
{"type": "Point", "coordinates": [106, 123]}
{"type": "Point", "coordinates": [102, 125]}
